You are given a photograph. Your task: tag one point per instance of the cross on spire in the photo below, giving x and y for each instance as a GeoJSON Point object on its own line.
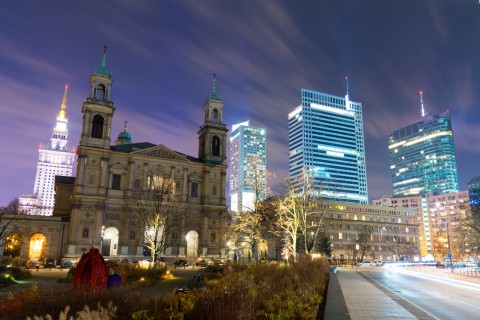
{"type": "Point", "coordinates": [125, 126]}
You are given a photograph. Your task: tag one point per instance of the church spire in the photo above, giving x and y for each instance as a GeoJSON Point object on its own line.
{"type": "Point", "coordinates": [103, 66]}
{"type": "Point", "coordinates": [213, 94]}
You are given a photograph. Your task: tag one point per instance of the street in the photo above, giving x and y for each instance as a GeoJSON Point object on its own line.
{"type": "Point", "coordinates": [428, 295]}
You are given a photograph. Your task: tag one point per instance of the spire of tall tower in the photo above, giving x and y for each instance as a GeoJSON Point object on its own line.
{"type": "Point", "coordinates": [63, 106]}
{"type": "Point", "coordinates": [58, 141]}
{"type": "Point", "coordinates": [213, 94]}
{"type": "Point", "coordinates": [346, 79]}
{"type": "Point", "coordinates": [64, 100]}
{"type": "Point", "coordinates": [421, 102]}
{"type": "Point", "coordinates": [347, 100]}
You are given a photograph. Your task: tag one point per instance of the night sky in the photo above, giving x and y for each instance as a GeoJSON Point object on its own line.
{"type": "Point", "coordinates": [162, 55]}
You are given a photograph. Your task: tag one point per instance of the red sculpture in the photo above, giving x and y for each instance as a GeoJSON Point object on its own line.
{"type": "Point", "coordinates": [91, 272]}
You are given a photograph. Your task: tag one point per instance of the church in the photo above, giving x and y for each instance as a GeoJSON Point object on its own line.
{"type": "Point", "coordinates": [92, 209]}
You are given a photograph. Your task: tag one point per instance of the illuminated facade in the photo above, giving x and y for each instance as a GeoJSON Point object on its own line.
{"type": "Point", "coordinates": [422, 157]}
{"type": "Point", "coordinates": [53, 160]}
{"type": "Point", "coordinates": [326, 142]}
{"type": "Point", "coordinates": [247, 166]}
{"type": "Point", "coordinates": [435, 212]}
{"type": "Point", "coordinates": [393, 232]}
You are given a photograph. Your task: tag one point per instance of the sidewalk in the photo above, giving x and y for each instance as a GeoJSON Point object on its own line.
{"type": "Point", "coordinates": [351, 296]}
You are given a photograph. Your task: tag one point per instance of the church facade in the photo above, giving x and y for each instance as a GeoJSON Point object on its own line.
{"type": "Point", "coordinates": [106, 175]}
{"type": "Point", "coordinates": [92, 209]}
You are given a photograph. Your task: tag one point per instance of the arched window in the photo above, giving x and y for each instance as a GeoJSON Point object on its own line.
{"type": "Point", "coordinates": [100, 92]}
{"type": "Point", "coordinates": [85, 233]}
{"type": "Point", "coordinates": [97, 126]}
{"type": "Point", "coordinates": [137, 183]}
{"type": "Point", "coordinates": [215, 146]}
{"type": "Point", "coordinates": [194, 191]}
{"type": "Point", "coordinates": [215, 115]}
{"type": "Point", "coordinates": [132, 235]}
{"type": "Point", "coordinates": [212, 237]}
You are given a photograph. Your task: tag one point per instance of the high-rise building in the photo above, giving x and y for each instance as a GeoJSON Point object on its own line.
{"type": "Point", "coordinates": [54, 159]}
{"type": "Point", "coordinates": [422, 157]}
{"type": "Point", "coordinates": [247, 166]}
{"type": "Point", "coordinates": [326, 142]}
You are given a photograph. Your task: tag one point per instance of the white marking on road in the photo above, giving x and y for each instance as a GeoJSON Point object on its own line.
{"type": "Point", "coordinates": [452, 282]}
{"type": "Point", "coordinates": [409, 301]}
{"type": "Point", "coordinates": [468, 304]}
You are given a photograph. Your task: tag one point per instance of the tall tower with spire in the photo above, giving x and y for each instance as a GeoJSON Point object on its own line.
{"type": "Point", "coordinates": [98, 109]}
{"type": "Point", "coordinates": [54, 159]}
{"type": "Point", "coordinates": [212, 135]}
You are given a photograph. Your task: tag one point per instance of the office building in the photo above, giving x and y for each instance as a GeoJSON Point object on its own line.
{"type": "Point", "coordinates": [247, 166]}
{"type": "Point", "coordinates": [422, 157]}
{"type": "Point", "coordinates": [326, 142]}
{"type": "Point", "coordinates": [439, 216]}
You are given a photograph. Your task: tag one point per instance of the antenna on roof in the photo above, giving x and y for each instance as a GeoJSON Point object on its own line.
{"type": "Point", "coordinates": [421, 102]}
{"type": "Point", "coordinates": [346, 79]}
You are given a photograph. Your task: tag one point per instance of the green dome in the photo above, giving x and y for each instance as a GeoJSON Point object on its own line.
{"type": "Point", "coordinates": [124, 137]}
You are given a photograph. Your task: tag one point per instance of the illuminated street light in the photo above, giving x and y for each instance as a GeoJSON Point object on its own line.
{"type": "Point", "coordinates": [102, 234]}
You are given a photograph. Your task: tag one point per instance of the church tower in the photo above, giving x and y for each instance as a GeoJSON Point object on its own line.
{"type": "Point", "coordinates": [98, 109]}
{"type": "Point", "coordinates": [212, 135]}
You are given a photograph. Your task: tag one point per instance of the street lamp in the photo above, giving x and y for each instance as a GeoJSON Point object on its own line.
{"type": "Point", "coordinates": [102, 233]}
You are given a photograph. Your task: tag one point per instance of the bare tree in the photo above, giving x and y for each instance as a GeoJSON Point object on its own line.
{"type": "Point", "coordinates": [300, 214]}
{"type": "Point", "coordinates": [364, 240]}
{"type": "Point", "coordinates": [154, 212]}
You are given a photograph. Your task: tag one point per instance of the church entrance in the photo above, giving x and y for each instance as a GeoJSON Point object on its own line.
{"type": "Point", "coordinates": [37, 246]}
{"type": "Point", "coordinates": [109, 246]}
{"type": "Point", "coordinates": [192, 243]}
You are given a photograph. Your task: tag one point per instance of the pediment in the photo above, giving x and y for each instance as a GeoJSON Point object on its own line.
{"type": "Point", "coordinates": [161, 152]}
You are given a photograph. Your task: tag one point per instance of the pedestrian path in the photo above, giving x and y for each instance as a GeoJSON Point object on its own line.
{"type": "Point", "coordinates": [362, 300]}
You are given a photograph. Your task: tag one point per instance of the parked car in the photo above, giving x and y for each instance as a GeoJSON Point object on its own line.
{"type": "Point", "coordinates": [439, 265]}
{"type": "Point", "coordinates": [50, 263]}
{"type": "Point", "coordinates": [67, 264]}
{"type": "Point", "coordinates": [180, 263]}
{"type": "Point", "coordinates": [33, 264]}
{"type": "Point", "coordinates": [365, 264]}
{"type": "Point", "coordinates": [202, 263]}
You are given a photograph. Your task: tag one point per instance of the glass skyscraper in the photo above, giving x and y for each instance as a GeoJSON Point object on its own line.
{"type": "Point", "coordinates": [247, 166]}
{"type": "Point", "coordinates": [422, 157]}
{"type": "Point", "coordinates": [326, 143]}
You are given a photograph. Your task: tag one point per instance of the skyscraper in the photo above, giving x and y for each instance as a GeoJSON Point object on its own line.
{"type": "Point", "coordinates": [53, 160]}
{"type": "Point", "coordinates": [247, 165]}
{"type": "Point", "coordinates": [326, 142]}
{"type": "Point", "coordinates": [422, 156]}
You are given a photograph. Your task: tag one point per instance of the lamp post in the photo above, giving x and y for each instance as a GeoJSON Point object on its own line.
{"type": "Point", "coordinates": [448, 242]}
{"type": "Point", "coordinates": [102, 233]}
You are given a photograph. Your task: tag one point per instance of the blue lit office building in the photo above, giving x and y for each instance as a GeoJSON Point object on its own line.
{"type": "Point", "coordinates": [422, 157]}
{"type": "Point", "coordinates": [247, 166]}
{"type": "Point", "coordinates": [326, 142]}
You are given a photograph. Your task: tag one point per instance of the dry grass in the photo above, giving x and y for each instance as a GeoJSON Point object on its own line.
{"type": "Point", "coordinates": [261, 291]}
